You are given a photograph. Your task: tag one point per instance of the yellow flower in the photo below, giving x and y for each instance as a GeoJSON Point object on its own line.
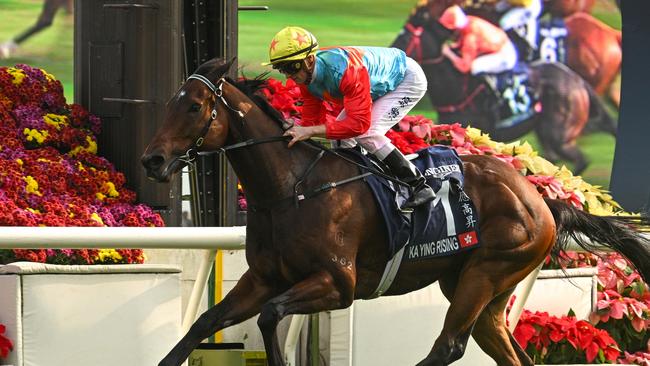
{"type": "Point", "coordinates": [33, 211]}
{"type": "Point", "coordinates": [100, 196]}
{"type": "Point", "coordinates": [108, 255]}
{"type": "Point", "coordinates": [34, 134]}
{"type": "Point", "coordinates": [97, 218]}
{"type": "Point", "coordinates": [91, 148]}
{"type": "Point", "coordinates": [17, 74]}
{"type": "Point", "coordinates": [479, 138]}
{"type": "Point", "coordinates": [48, 76]}
{"type": "Point", "coordinates": [110, 188]}
{"type": "Point", "coordinates": [31, 185]}
{"type": "Point", "coordinates": [56, 120]}
{"type": "Point", "coordinates": [20, 161]}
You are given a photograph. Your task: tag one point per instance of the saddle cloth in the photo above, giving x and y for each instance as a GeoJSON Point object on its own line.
{"type": "Point", "coordinates": [517, 98]}
{"type": "Point", "coordinates": [446, 226]}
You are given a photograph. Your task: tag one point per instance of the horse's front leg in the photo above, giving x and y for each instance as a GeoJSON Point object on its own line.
{"type": "Point", "coordinates": [314, 294]}
{"type": "Point", "coordinates": [244, 301]}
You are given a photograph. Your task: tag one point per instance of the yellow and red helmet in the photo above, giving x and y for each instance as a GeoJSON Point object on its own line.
{"type": "Point", "coordinates": [291, 43]}
{"type": "Point", "coordinates": [454, 18]}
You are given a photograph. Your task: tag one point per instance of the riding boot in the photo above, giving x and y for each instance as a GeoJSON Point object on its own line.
{"type": "Point", "coordinates": [525, 50]}
{"type": "Point", "coordinates": [405, 171]}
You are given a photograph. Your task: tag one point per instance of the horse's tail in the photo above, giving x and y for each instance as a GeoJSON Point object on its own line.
{"type": "Point", "coordinates": [599, 118]}
{"type": "Point", "coordinates": [613, 232]}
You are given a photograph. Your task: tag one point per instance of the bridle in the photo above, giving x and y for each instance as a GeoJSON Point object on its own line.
{"type": "Point", "coordinates": [192, 152]}
{"type": "Point", "coordinates": [415, 44]}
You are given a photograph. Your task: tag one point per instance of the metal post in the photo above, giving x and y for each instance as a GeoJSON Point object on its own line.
{"type": "Point", "coordinates": [314, 344]}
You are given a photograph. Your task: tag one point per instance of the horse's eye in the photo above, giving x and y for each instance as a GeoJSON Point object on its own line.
{"type": "Point", "coordinates": [195, 107]}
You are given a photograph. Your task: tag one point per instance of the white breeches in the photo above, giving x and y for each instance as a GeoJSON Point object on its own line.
{"type": "Point", "coordinates": [497, 62]}
{"type": "Point", "coordinates": [390, 109]}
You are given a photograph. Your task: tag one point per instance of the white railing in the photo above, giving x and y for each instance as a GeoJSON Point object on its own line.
{"type": "Point", "coordinates": [210, 238]}
{"type": "Point", "coordinates": [228, 238]}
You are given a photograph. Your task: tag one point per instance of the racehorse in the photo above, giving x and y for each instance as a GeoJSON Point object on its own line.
{"type": "Point", "coordinates": [566, 101]}
{"type": "Point", "coordinates": [593, 48]}
{"type": "Point", "coordinates": [565, 8]}
{"type": "Point", "coordinates": [321, 253]}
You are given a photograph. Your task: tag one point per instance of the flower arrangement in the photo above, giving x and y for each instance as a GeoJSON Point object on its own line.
{"type": "Point", "coordinates": [5, 343]}
{"type": "Point", "coordinates": [623, 307]}
{"type": "Point", "coordinates": [50, 174]}
{"type": "Point", "coordinates": [563, 340]}
{"type": "Point", "coordinates": [622, 315]}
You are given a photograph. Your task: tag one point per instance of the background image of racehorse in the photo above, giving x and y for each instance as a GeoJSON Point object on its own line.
{"type": "Point", "coordinates": [593, 49]}
{"type": "Point", "coordinates": [290, 248]}
{"type": "Point", "coordinates": [566, 101]}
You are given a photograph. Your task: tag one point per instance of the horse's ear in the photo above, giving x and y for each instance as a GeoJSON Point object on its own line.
{"type": "Point", "coordinates": [229, 64]}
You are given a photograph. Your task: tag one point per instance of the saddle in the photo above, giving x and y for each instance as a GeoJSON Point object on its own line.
{"type": "Point", "coordinates": [446, 226]}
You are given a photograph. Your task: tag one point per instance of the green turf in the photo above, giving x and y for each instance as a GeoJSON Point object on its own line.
{"type": "Point", "coordinates": [335, 22]}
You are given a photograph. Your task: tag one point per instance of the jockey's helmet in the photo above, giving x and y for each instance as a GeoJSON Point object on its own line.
{"type": "Point", "coordinates": [291, 44]}
{"type": "Point", "coordinates": [454, 18]}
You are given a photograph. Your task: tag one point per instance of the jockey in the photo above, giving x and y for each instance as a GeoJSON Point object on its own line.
{"type": "Point", "coordinates": [484, 48]}
{"type": "Point", "coordinates": [375, 86]}
{"type": "Point", "coordinates": [521, 17]}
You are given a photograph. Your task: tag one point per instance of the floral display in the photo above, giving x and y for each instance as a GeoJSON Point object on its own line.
{"type": "Point", "coordinates": [623, 307]}
{"type": "Point", "coordinates": [618, 330]}
{"type": "Point", "coordinates": [5, 343]}
{"type": "Point", "coordinates": [50, 173]}
{"type": "Point", "coordinates": [563, 340]}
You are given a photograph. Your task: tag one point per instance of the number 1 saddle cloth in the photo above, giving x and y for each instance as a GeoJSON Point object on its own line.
{"type": "Point", "coordinates": [446, 226]}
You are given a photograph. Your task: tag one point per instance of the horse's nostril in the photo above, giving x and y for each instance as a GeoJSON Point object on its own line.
{"type": "Point", "coordinates": [153, 161]}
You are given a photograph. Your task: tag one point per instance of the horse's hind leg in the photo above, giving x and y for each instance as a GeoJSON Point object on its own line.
{"type": "Point", "coordinates": [476, 296]}
{"type": "Point", "coordinates": [241, 303]}
{"type": "Point", "coordinates": [471, 294]}
{"type": "Point", "coordinates": [312, 295]}
{"type": "Point", "coordinates": [493, 336]}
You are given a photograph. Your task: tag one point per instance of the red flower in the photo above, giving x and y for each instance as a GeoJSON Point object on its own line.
{"type": "Point", "coordinates": [5, 343]}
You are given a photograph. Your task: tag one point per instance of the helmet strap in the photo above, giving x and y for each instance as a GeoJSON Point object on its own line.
{"type": "Point", "coordinates": [308, 70]}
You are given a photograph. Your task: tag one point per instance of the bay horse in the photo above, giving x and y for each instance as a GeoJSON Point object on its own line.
{"type": "Point", "coordinates": [565, 8]}
{"type": "Point", "coordinates": [332, 247]}
{"type": "Point", "coordinates": [567, 101]}
{"type": "Point", "coordinates": [593, 48]}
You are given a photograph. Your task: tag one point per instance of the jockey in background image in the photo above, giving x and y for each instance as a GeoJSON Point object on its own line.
{"type": "Point", "coordinates": [484, 48]}
{"type": "Point", "coordinates": [520, 20]}
{"type": "Point", "coordinates": [376, 87]}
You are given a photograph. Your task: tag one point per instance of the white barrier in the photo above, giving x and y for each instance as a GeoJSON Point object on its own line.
{"type": "Point", "coordinates": [211, 238]}
{"type": "Point", "coordinates": [18, 237]}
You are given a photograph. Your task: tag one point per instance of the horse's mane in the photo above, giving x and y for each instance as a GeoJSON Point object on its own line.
{"type": "Point", "coordinates": [216, 68]}
{"type": "Point", "coordinates": [251, 88]}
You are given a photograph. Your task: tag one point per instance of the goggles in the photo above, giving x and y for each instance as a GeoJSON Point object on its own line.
{"type": "Point", "coordinates": [289, 67]}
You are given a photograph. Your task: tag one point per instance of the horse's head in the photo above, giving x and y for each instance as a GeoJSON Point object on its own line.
{"type": "Point", "coordinates": [196, 118]}
{"type": "Point", "coordinates": [422, 36]}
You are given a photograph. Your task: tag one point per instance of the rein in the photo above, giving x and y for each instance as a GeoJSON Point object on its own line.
{"type": "Point", "coordinates": [192, 153]}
